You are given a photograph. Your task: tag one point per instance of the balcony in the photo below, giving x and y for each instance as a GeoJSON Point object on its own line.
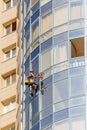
{"type": "Point", "coordinates": [8, 65]}
{"type": "Point", "coordinates": [7, 40]}
{"type": "Point", "coordinates": [7, 118]}
{"type": "Point", "coordinates": [8, 15]}
{"type": "Point", "coordinates": [8, 92]}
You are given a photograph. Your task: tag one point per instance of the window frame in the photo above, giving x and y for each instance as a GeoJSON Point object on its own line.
{"type": "Point", "coordinates": [11, 55]}
{"type": "Point", "coordinates": [10, 79]}
{"type": "Point", "coordinates": [12, 4]}
{"type": "Point", "coordinates": [10, 27]}
{"type": "Point", "coordinates": [9, 105]}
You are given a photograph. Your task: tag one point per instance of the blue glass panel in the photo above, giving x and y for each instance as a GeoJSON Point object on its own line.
{"type": "Point", "coordinates": [46, 97]}
{"type": "Point", "coordinates": [78, 85]}
{"type": "Point", "coordinates": [27, 66]}
{"type": "Point", "coordinates": [36, 127]}
{"type": "Point", "coordinates": [46, 112]}
{"type": "Point", "coordinates": [36, 108]}
{"type": "Point", "coordinates": [76, 33]}
{"type": "Point", "coordinates": [35, 52]}
{"type": "Point", "coordinates": [77, 111]}
{"type": "Point", "coordinates": [27, 62]}
{"type": "Point", "coordinates": [46, 44]}
{"type": "Point", "coordinates": [61, 115]}
{"type": "Point", "coordinates": [27, 92]}
{"type": "Point", "coordinates": [27, 113]}
{"type": "Point", "coordinates": [77, 101]}
{"type": "Point", "coordinates": [35, 16]}
{"type": "Point", "coordinates": [60, 75]}
{"type": "Point", "coordinates": [35, 7]}
{"type": "Point", "coordinates": [59, 2]}
{"type": "Point", "coordinates": [26, 71]}
{"type": "Point", "coordinates": [61, 90]}
{"type": "Point", "coordinates": [47, 121]}
{"type": "Point", "coordinates": [60, 38]}
{"type": "Point", "coordinates": [47, 81]}
{"type": "Point", "coordinates": [35, 118]}
{"type": "Point", "coordinates": [46, 7]}
{"type": "Point", "coordinates": [27, 27]}
{"type": "Point", "coordinates": [35, 66]}
{"type": "Point", "coordinates": [27, 3]}
{"type": "Point", "coordinates": [77, 71]}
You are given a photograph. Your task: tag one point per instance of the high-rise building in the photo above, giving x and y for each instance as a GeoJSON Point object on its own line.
{"type": "Point", "coordinates": [10, 64]}
{"type": "Point", "coordinates": [54, 41]}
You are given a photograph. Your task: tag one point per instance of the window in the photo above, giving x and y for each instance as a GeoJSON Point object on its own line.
{"type": "Point", "coordinates": [35, 30]}
{"type": "Point", "coordinates": [10, 28]}
{"type": "Point", "coordinates": [10, 53]}
{"type": "Point", "coordinates": [13, 51]}
{"type": "Point", "coordinates": [46, 60]}
{"type": "Point", "coordinates": [10, 3]}
{"type": "Point", "coordinates": [46, 22]}
{"type": "Point", "coordinates": [7, 54]}
{"type": "Point", "coordinates": [61, 91]}
{"type": "Point", "coordinates": [14, 2]}
{"type": "Point", "coordinates": [77, 86]}
{"type": "Point", "coordinates": [76, 10]}
{"type": "Point", "coordinates": [33, 2]}
{"type": "Point", "coordinates": [13, 78]}
{"type": "Point", "coordinates": [77, 47]}
{"type": "Point", "coordinates": [64, 125]}
{"type": "Point", "coordinates": [13, 26]}
{"type": "Point", "coordinates": [60, 52]}
{"type": "Point", "coordinates": [10, 79]}
{"type": "Point", "coordinates": [78, 123]}
{"type": "Point", "coordinates": [61, 15]}
{"type": "Point", "coordinates": [9, 105]}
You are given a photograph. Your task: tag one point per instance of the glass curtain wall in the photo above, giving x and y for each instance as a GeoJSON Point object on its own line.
{"type": "Point", "coordinates": [54, 42]}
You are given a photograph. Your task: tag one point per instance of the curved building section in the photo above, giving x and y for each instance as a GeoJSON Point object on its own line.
{"type": "Point", "coordinates": [54, 42]}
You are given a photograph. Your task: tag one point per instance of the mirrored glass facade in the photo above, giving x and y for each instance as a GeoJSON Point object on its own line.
{"type": "Point", "coordinates": [54, 41]}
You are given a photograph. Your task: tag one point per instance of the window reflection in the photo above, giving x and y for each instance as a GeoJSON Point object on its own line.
{"type": "Point", "coordinates": [60, 53]}
{"type": "Point", "coordinates": [35, 30]}
{"type": "Point", "coordinates": [61, 15]}
{"type": "Point", "coordinates": [61, 90]}
{"type": "Point", "coordinates": [46, 22]}
{"type": "Point", "coordinates": [76, 10]}
{"type": "Point", "coordinates": [77, 86]}
{"type": "Point", "coordinates": [78, 123]}
{"type": "Point", "coordinates": [46, 60]}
